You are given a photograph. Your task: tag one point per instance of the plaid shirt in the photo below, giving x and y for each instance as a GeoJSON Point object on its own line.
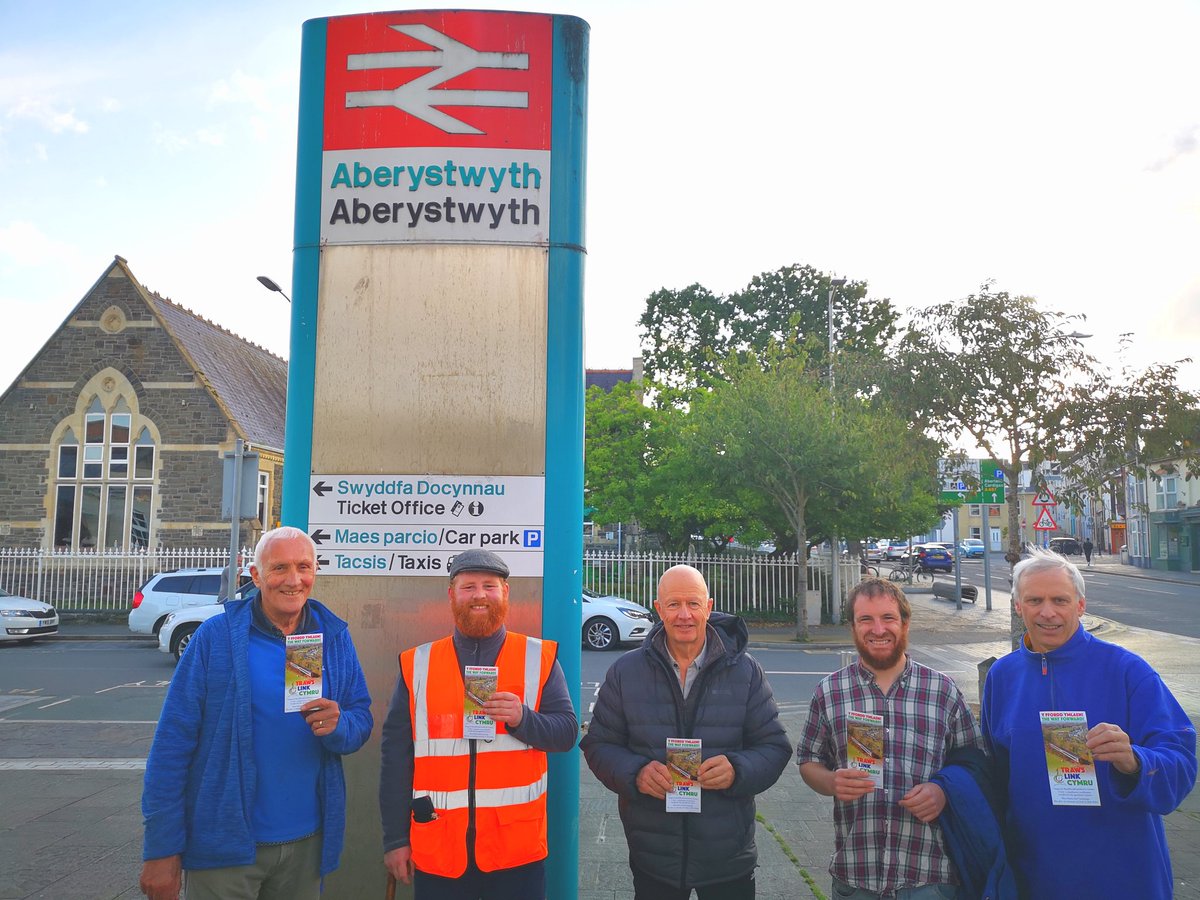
{"type": "Point", "coordinates": [881, 846]}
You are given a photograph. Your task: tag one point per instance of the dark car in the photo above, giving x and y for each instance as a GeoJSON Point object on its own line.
{"type": "Point", "coordinates": [934, 557]}
{"type": "Point", "coordinates": [1067, 546]}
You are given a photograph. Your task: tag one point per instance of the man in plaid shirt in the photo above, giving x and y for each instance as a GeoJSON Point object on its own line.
{"type": "Point", "coordinates": [888, 841]}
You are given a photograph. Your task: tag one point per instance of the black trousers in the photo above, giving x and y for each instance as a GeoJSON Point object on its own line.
{"type": "Point", "coordinates": [526, 882]}
{"type": "Point", "coordinates": [646, 887]}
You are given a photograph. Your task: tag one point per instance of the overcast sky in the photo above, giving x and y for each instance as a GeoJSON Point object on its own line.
{"type": "Point", "coordinates": [921, 147]}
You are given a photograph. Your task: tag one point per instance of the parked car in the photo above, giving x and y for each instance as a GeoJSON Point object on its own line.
{"type": "Point", "coordinates": [179, 626]}
{"type": "Point", "coordinates": [971, 548]}
{"type": "Point", "coordinates": [949, 546]}
{"type": "Point", "coordinates": [608, 621]}
{"type": "Point", "coordinates": [168, 591]}
{"type": "Point", "coordinates": [22, 619]}
{"type": "Point", "coordinates": [896, 550]}
{"type": "Point", "coordinates": [933, 557]}
{"type": "Point", "coordinates": [1067, 546]}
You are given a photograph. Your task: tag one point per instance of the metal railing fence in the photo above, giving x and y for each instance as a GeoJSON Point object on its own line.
{"type": "Point", "coordinates": [754, 584]}
{"type": "Point", "coordinates": [95, 580]}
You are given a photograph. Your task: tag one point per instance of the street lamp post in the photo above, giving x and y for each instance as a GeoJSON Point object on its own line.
{"type": "Point", "coordinates": [835, 553]}
{"type": "Point", "coordinates": [272, 286]}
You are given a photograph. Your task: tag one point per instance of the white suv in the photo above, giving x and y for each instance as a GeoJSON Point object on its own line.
{"type": "Point", "coordinates": [170, 591]}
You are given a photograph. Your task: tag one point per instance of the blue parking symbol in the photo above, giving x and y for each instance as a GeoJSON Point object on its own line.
{"type": "Point", "coordinates": [533, 537]}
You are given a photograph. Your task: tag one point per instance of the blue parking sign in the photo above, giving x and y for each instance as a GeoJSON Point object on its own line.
{"type": "Point", "coordinates": [533, 537]}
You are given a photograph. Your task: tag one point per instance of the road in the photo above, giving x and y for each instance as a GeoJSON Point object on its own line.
{"type": "Point", "coordinates": [1164, 606]}
{"type": "Point", "coordinates": [76, 720]}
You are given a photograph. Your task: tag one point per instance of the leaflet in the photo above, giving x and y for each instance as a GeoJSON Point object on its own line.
{"type": "Point", "coordinates": [301, 670]}
{"type": "Point", "coordinates": [479, 683]}
{"type": "Point", "coordinates": [864, 744]}
{"type": "Point", "coordinates": [683, 762]}
{"type": "Point", "coordinates": [1069, 762]}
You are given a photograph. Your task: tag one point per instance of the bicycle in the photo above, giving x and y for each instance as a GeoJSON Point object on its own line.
{"type": "Point", "coordinates": [865, 568]}
{"type": "Point", "coordinates": [912, 573]}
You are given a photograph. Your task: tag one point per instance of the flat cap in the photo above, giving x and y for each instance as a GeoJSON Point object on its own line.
{"type": "Point", "coordinates": [479, 561]}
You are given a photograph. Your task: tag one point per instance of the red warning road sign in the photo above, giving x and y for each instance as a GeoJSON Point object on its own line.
{"type": "Point", "coordinates": [1045, 521]}
{"type": "Point", "coordinates": [1045, 498]}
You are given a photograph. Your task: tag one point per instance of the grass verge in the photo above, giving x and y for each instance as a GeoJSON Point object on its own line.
{"type": "Point", "coordinates": [787, 851]}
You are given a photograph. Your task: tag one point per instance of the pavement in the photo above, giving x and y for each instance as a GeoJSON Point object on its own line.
{"type": "Point", "coordinates": [76, 832]}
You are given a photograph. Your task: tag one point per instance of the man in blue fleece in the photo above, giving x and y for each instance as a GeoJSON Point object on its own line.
{"type": "Point", "coordinates": [241, 798]}
{"type": "Point", "coordinates": [1142, 742]}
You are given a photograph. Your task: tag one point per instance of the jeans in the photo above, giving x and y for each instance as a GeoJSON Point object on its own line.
{"type": "Point", "coordinates": [843, 891]}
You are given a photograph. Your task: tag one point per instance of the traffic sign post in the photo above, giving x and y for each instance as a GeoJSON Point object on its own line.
{"type": "Point", "coordinates": [435, 385]}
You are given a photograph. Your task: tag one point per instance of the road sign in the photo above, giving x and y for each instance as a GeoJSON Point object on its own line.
{"type": "Point", "coordinates": [1045, 521]}
{"type": "Point", "coordinates": [416, 524]}
{"type": "Point", "coordinates": [1045, 497]}
{"type": "Point", "coordinates": [972, 482]}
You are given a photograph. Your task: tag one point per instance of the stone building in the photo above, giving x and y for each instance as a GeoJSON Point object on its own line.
{"type": "Point", "coordinates": [113, 436]}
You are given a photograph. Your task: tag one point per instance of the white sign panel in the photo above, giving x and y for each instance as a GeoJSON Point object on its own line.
{"type": "Point", "coordinates": [416, 524]}
{"type": "Point", "coordinates": [436, 195]}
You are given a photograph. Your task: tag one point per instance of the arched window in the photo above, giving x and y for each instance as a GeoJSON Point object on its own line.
{"type": "Point", "coordinates": [103, 496]}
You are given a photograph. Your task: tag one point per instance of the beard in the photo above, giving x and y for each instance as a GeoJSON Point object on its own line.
{"type": "Point", "coordinates": [477, 626]}
{"type": "Point", "coordinates": [872, 658]}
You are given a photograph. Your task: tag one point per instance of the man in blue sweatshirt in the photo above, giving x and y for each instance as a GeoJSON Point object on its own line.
{"type": "Point", "coordinates": [1141, 743]}
{"type": "Point", "coordinates": [244, 794]}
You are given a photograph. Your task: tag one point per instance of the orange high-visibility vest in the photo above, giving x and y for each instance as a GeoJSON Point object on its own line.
{"type": "Point", "coordinates": [509, 786]}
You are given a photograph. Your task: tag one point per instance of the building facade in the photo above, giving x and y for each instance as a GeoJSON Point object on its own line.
{"type": "Point", "coordinates": [113, 436]}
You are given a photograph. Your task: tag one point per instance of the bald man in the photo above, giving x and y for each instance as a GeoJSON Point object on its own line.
{"type": "Point", "coordinates": [691, 679]}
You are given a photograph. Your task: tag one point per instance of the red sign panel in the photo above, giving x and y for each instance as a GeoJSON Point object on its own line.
{"type": "Point", "coordinates": [438, 79]}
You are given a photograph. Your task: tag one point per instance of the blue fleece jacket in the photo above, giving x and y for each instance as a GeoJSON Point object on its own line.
{"type": "Point", "coordinates": [1117, 849]}
{"type": "Point", "coordinates": [200, 775]}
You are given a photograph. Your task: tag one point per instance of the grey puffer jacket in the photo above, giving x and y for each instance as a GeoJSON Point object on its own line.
{"type": "Point", "coordinates": [732, 710]}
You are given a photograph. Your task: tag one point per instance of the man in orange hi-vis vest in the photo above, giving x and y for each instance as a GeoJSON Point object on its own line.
{"type": "Point", "coordinates": [463, 782]}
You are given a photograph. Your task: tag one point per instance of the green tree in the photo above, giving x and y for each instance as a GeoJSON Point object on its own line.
{"type": "Point", "coordinates": [687, 334]}
{"type": "Point", "coordinates": [640, 464]}
{"type": "Point", "coordinates": [1018, 381]}
{"type": "Point", "coordinates": [822, 465]}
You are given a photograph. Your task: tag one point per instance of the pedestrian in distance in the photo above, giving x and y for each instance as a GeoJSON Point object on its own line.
{"type": "Point", "coordinates": [1087, 550]}
{"type": "Point", "coordinates": [244, 794]}
{"type": "Point", "coordinates": [686, 733]}
{"type": "Point", "coordinates": [878, 733]}
{"type": "Point", "coordinates": [462, 788]}
{"type": "Point", "coordinates": [1091, 747]}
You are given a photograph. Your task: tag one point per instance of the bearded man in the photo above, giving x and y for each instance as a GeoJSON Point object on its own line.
{"type": "Point", "coordinates": [878, 732]}
{"type": "Point", "coordinates": [463, 782]}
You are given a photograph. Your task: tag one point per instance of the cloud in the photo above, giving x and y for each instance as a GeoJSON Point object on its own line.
{"type": "Point", "coordinates": [1185, 144]}
{"type": "Point", "coordinates": [54, 120]}
{"type": "Point", "coordinates": [24, 245]}
{"type": "Point", "coordinates": [210, 137]}
{"type": "Point", "coordinates": [110, 105]}
{"type": "Point", "coordinates": [169, 139]}
{"type": "Point", "coordinates": [242, 88]}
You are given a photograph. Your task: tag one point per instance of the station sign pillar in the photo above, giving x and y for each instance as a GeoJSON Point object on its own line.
{"type": "Point", "coordinates": [435, 385]}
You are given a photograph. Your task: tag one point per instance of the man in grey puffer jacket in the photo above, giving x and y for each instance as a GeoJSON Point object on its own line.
{"type": "Point", "coordinates": [691, 679]}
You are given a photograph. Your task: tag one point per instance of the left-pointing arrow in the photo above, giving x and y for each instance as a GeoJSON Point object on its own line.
{"type": "Point", "coordinates": [320, 536]}
{"type": "Point", "coordinates": [321, 488]}
{"type": "Point", "coordinates": [322, 561]}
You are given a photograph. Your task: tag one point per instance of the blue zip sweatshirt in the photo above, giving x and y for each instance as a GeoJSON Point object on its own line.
{"type": "Point", "coordinates": [1117, 849]}
{"type": "Point", "coordinates": [200, 775]}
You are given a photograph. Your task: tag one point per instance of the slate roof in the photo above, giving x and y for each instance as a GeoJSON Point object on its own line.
{"type": "Point", "coordinates": [606, 378]}
{"type": "Point", "coordinates": [250, 383]}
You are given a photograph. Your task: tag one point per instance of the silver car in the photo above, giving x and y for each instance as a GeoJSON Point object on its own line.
{"type": "Point", "coordinates": [22, 619]}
